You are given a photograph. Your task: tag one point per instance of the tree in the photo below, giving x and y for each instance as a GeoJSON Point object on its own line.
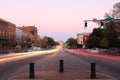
{"type": "Point", "coordinates": [57, 43]}
{"type": "Point", "coordinates": [97, 32]}
{"type": "Point", "coordinates": [93, 41]}
{"type": "Point", "coordinates": [112, 33]}
{"type": "Point", "coordinates": [95, 38]}
{"type": "Point", "coordinates": [104, 43]}
{"type": "Point", "coordinates": [71, 43]}
{"type": "Point", "coordinates": [48, 42]}
{"type": "Point", "coordinates": [113, 28]}
{"type": "Point", "coordinates": [115, 12]}
{"type": "Point", "coordinates": [107, 38]}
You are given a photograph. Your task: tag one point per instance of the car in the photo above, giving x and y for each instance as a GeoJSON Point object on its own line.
{"type": "Point", "coordinates": [36, 48]}
{"type": "Point", "coordinates": [103, 50]}
{"type": "Point", "coordinates": [95, 50]}
{"type": "Point", "coordinates": [113, 50]}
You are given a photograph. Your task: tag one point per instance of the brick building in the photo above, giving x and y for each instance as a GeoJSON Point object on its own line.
{"type": "Point", "coordinates": [7, 35]}
{"type": "Point", "coordinates": [82, 39]}
{"type": "Point", "coordinates": [32, 36]}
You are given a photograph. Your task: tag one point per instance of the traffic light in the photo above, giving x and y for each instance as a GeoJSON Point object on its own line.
{"type": "Point", "coordinates": [102, 25]}
{"type": "Point", "coordinates": [85, 27]}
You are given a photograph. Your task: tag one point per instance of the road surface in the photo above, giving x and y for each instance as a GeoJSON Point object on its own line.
{"type": "Point", "coordinates": [51, 62]}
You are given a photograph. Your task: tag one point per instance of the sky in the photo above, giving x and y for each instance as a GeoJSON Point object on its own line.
{"type": "Point", "coordinates": [59, 19]}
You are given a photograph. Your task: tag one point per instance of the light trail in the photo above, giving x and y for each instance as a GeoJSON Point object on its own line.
{"type": "Point", "coordinates": [18, 56]}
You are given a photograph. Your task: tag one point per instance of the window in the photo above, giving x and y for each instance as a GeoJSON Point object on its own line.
{"type": "Point", "coordinates": [6, 34]}
{"type": "Point", "coordinates": [9, 34]}
{"type": "Point", "coordinates": [3, 33]}
{"type": "Point", "coordinates": [0, 33]}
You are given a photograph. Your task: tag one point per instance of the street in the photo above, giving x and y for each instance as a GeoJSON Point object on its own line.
{"type": "Point", "coordinates": [50, 61]}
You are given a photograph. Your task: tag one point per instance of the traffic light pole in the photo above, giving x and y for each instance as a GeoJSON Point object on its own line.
{"type": "Point", "coordinates": [109, 19]}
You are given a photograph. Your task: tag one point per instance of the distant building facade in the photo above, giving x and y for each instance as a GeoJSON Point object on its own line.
{"type": "Point", "coordinates": [7, 35]}
{"type": "Point", "coordinates": [82, 39]}
{"type": "Point", "coordinates": [31, 37]}
{"type": "Point", "coordinates": [19, 36]}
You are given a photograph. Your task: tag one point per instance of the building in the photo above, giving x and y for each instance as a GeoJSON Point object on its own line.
{"type": "Point", "coordinates": [19, 35]}
{"type": "Point", "coordinates": [82, 39]}
{"type": "Point", "coordinates": [21, 38]}
{"type": "Point", "coordinates": [32, 36]}
{"type": "Point", "coordinates": [30, 29]}
{"type": "Point", "coordinates": [7, 35]}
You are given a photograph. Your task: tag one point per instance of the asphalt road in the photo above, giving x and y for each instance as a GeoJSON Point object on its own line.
{"type": "Point", "coordinates": [51, 62]}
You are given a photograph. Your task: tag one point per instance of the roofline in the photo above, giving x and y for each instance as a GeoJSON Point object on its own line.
{"type": "Point", "coordinates": [7, 22]}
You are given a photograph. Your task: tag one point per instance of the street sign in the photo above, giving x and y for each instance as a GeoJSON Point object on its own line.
{"type": "Point", "coordinates": [109, 19]}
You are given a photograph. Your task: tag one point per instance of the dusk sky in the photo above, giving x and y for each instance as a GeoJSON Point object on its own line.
{"type": "Point", "coordinates": [59, 19]}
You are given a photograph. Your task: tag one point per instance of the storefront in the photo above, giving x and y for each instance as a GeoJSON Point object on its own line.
{"type": "Point", "coordinates": [3, 44]}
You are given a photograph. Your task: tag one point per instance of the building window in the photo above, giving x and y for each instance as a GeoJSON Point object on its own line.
{"type": "Point", "coordinates": [81, 42]}
{"type": "Point", "coordinates": [3, 33]}
{"type": "Point", "coordinates": [81, 37]}
{"type": "Point", "coordinates": [9, 34]}
{"type": "Point", "coordinates": [0, 33]}
{"type": "Point", "coordinates": [6, 34]}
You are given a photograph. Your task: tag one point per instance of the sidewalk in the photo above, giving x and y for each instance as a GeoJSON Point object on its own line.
{"type": "Point", "coordinates": [67, 75]}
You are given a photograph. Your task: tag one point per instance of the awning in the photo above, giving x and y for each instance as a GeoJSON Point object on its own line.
{"type": "Point", "coordinates": [3, 42]}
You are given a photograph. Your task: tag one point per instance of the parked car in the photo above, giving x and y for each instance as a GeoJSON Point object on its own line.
{"type": "Point", "coordinates": [36, 48]}
{"type": "Point", "coordinates": [113, 50]}
{"type": "Point", "coordinates": [103, 50]}
{"type": "Point", "coordinates": [95, 50]}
